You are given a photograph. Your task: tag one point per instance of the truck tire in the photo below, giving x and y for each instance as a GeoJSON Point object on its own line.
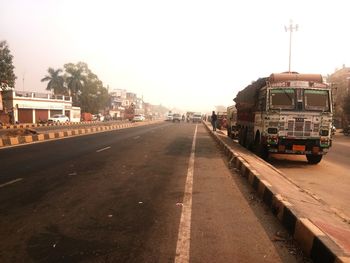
{"type": "Point", "coordinates": [229, 134]}
{"type": "Point", "coordinates": [313, 159]}
{"type": "Point", "coordinates": [232, 134]}
{"type": "Point", "coordinates": [262, 151]}
{"type": "Point", "coordinates": [243, 138]}
{"type": "Point", "coordinates": [240, 137]}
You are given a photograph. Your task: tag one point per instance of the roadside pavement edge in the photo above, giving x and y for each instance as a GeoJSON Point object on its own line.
{"type": "Point", "coordinates": [315, 243]}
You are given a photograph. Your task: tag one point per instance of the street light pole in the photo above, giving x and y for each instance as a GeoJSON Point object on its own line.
{"type": "Point", "coordinates": [291, 28]}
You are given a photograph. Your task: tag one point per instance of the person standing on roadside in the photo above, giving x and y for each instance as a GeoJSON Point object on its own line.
{"type": "Point", "coordinates": [214, 118]}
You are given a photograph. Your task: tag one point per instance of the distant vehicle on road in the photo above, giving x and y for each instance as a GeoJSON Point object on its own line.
{"type": "Point", "coordinates": [197, 117]}
{"type": "Point", "coordinates": [346, 130]}
{"type": "Point", "coordinates": [138, 118]}
{"type": "Point", "coordinates": [169, 117]}
{"type": "Point", "coordinates": [97, 117]}
{"type": "Point", "coordinates": [86, 116]}
{"type": "Point", "coordinates": [106, 117]}
{"type": "Point", "coordinates": [57, 118]}
{"type": "Point", "coordinates": [177, 117]}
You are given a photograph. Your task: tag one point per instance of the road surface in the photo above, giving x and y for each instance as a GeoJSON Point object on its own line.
{"type": "Point", "coordinates": [157, 193]}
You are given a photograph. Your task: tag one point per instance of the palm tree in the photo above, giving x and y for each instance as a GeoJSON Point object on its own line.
{"type": "Point", "coordinates": [55, 82]}
{"type": "Point", "coordinates": [75, 81]}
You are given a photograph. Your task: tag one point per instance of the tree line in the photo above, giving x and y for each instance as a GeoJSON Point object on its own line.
{"type": "Point", "coordinates": [7, 75]}
{"type": "Point", "coordinates": [79, 82]}
{"type": "Point", "coordinates": [76, 80]}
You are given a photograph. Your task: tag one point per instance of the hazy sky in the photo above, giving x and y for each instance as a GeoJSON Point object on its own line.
{"type": "Point", "coordinates": [186, 54]}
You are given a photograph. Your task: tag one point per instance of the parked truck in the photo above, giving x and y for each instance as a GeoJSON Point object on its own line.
{"type": "Point", "coordinates": [232, 130]}
{"type": "Point", "coordinates": [221, 122]}
{"type": "Point", "coordinates": [288, 113]}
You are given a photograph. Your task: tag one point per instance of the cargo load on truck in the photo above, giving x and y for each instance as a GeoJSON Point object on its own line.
{"type": "Point", "coordinates": [288, 113]}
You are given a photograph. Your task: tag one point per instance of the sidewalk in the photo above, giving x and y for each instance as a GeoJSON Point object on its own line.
{"type": "Point", "coordinates": [320, 232]}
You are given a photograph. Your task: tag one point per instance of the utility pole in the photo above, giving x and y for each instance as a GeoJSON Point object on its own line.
{"type": "Point", "coordinates": [24, 73]}
{"type": "Point", "coordinates": [290, 28]}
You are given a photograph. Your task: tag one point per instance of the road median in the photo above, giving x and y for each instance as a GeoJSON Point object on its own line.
{"type": "Point", "coordinates": [36, 125]}
{"type": "Point", "coordinates": [321, 233]}
{"type": "Point", "coordinates": [26, 139]}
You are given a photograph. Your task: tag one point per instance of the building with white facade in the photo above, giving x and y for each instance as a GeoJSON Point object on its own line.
{"type": "Point", "coordinates": [32, 107]}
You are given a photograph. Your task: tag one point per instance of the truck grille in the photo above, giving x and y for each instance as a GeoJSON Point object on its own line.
{"type": "Point", "coordinates": [300, 128]}
{"type": "Point", "coordinates": [290, 128]}
{"type": "Point", "coordinates": [307, 131]}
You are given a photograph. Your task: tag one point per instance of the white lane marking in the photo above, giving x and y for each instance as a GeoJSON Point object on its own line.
{"type": "Point", "coordinates": [184, 236]}
{"type": "Point", "coordinates": [11, 182]}
{"type": "Point", "coordinates": [103, 149]}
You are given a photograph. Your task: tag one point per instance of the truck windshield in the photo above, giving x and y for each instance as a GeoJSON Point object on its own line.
{"type": "Point", "coordinates": [317, 100]}
{"type": "Point", "coordinates": [282, 99]}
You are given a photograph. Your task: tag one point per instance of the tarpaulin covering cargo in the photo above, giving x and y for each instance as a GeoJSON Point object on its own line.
{"type": "Point", "coordinates": [247, 97]}
{"type": "Point", "coordinates": [280, 77]}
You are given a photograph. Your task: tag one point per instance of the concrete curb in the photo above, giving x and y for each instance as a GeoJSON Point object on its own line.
{"type": "Point", "coordinates": [19, 140]}
{"type": "Point", "coordinates": [315, 243]}
{"type": "Point", "coordinates": [35, 125]}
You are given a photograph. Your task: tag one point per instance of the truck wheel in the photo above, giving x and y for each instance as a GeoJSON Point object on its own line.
{"type": "Point", "coordinates": [229, 133]}
{"type": "Point", "coordinates": [242, 137]}
{"type": "Point", "coordinates": [246, 143]}
{"type": "Point", "coordinates": [313, 159]}
{"type": "Point", "coordinates": [262, 151]}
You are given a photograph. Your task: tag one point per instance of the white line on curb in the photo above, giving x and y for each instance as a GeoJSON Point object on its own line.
{"type": "Point", "coordinates": [103, 149]}
{"type": "Point", "coordinates": [11, 182]}
{"type": "Point", "coordinates": [183, 240]}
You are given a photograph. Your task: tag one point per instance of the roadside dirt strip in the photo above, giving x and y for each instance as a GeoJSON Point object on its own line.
{"type": "Point", "coordinates": [12, 141]}
{"type": "Point", "coordinates": [320, 232]}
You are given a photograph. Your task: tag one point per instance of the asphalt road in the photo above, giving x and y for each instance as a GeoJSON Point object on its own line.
{"type": "Point", "coordinates": [329, 180]}
{"type": "Point", "coordinates": [145, 194]}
